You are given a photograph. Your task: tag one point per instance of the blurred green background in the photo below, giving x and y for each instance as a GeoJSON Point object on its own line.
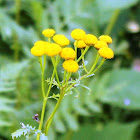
{"type": "Point", "coordinates": [112, 110]}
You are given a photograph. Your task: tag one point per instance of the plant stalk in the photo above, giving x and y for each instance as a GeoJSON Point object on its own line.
{"type": "Point", "coordinates": [112, 22]}
{"type": "Point", "coordinates": [84, 52]}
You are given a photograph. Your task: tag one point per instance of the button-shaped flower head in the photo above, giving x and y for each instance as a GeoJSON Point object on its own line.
{"type": "Point", "coordinates": [70, 65]}
{"type": "Point", "coordinates": [100, 44]}
{"type": "Point", "coordinates": [78, 34]}
{"type": "Point", "coordinates": [53, 49]}
{"type": "Point", "coordinates": [106, 53]}
{"type": "Point", "coordinates": [39, 48]}
{"type": "Point", "coordinates": [37, 51]}
{"type": "Point", "coordinates": [68, 53]}
{"type": "Point", "coordinates": [80, 44]}
{"type": "Point", "coordinates": [61, 40]}
{"type": "Point", "coordinates": [90, 40]}
{"type": "Point", "coordinates": [48, 32]}
{"type": "Point", "coordinates": [105, 38]}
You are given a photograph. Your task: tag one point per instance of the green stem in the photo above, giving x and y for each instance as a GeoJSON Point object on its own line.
{"type": "Point", "coordinates": [48, 123]}
{"type": "Point", "coordinates": [62, 93]}
{"type": "Point", "coordinates": [86, 49]}
{"type": "Point", "coordinates": [95, 63]}
{"type": "Point", "coordinates": [40, 62]}
{"type": "Point", "coordinates": [56, 74]}
{"type": "Point", "coordinates": [64, 78]}
{"type": "Point", "coordinates": [112, 22]}
{"type": "Point", "coordinates": [42, 117]}
{"type": "Point", "coordinates": [86, 74]}
{"type": "Point", "coordinates": [83, 61]}
{"type": "Point", "coordinates": [42, 76]}
{"type": "Point", "coordinates": [76, 49]}
{"type": "Point", "coordinates": [54, 70]}
{"type": "Point", "coordinates": [43, 91]}
{"type": "Point", "coordinates": [45, 99]}
{"type": "Point", "coordinates": [44, 62]}
{"type": "Point", "coordinates": [103, 60]}
{"type": "Point", "coordinates": [68, 77]}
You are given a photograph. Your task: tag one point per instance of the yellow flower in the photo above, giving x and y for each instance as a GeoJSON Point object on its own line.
{"type": "Point", "coordinates": [68, 53]}
{"type": "Point", "coordinates": [78, 34]}
{"type": "Point", "coordinates": [38, 50]}
{"type": "Point", "coordinates": [105, 38]}
{"type": "Point", "coordinates": [90, 39]}
{"type": "Point", "coordinates": [100, 44]}
{"type": "Point", "coordinates": [80, 44]}
{"type": "Point", "coordinates": [61, 40]}
{"type": "Point", "coordinates": [52, 49]}
{"type": "Point", "coordinates": [48, 32]}
{"type": "Point", "coordinates": [106, 53]}
{"type": "Point", "coordinates": [41, 43]}
{"type": "Point", "coordinates": [70, 65]}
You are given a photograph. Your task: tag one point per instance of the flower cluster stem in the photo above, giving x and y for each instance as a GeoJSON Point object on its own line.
{"type": "Point", "coordinates": [56, 74]}
{"type": "Point", "coordinates": [45, 96]}
{"type": "Point", "coordinates": [54, 70]}
{"type": "Point", "coordinates": [83, 61]}
{"type": "Point", "coordinates": [42, 116]}
{"type": "Point", "coordinates": [103, 60]}
{"type": "Point", "coordinates": [95, 63]}
{"type": "Point", "coordinates": [84, 52]}
{"type": "Point", "coordinates": [84, 76]}
{"type": "Point", "coordinates": [76, 49]}
{"type": "Point", "coordinates": [48, 123]}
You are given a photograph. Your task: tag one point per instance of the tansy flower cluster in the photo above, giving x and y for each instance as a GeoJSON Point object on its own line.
{"type": "Point", "coordinates": [58, 48]}
{"type": "Point", "coordinates": [82, 41]}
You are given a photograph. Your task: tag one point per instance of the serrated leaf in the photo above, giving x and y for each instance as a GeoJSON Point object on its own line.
{"type": "Point", "coordinates": [19, 133]}
{"type": "Point", "coordinates": [27, 129]}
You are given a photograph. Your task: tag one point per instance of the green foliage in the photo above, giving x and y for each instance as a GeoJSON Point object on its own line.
{"type": "Point", "coordinates": [9, 73]}
{"type": "Point", "coordinates": [112, 131]}
{"type": "Point", "coordinates": [118, 90]}
{"type": "Point", "coordinates": [119, 4]}
{"type": "Point", "coordinates": [20, 96]}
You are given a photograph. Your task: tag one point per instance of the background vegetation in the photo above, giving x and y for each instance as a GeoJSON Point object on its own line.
{"type": "Point", "coordinates": [112, 109]}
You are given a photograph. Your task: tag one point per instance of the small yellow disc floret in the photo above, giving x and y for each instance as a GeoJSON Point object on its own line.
{"type": "Point", "coordinates": [70, 65]}
{"type": "Point", "coordinates": [48, 32]}
{"type": "Point", "coordinates": [105, 38]}
{"type": "Point", "coordinates": [61, 40]}
{"type": "Point", "coordinates": [100, 44]}
{"type": "Point", "coordinates": [68, 53]}
{"type": "Point", "coordinates": [90, 39]}
{"type": "Point", "coordinates": [106, 53]}
{"type": "Point", "coordinates": [78, 34]}
{"type": "Point", "coordinates": [38, 50]}
{"type": "Point", "coordinates": [80, 44]}
{"type": "Point", "coordinates": [52, 49]}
